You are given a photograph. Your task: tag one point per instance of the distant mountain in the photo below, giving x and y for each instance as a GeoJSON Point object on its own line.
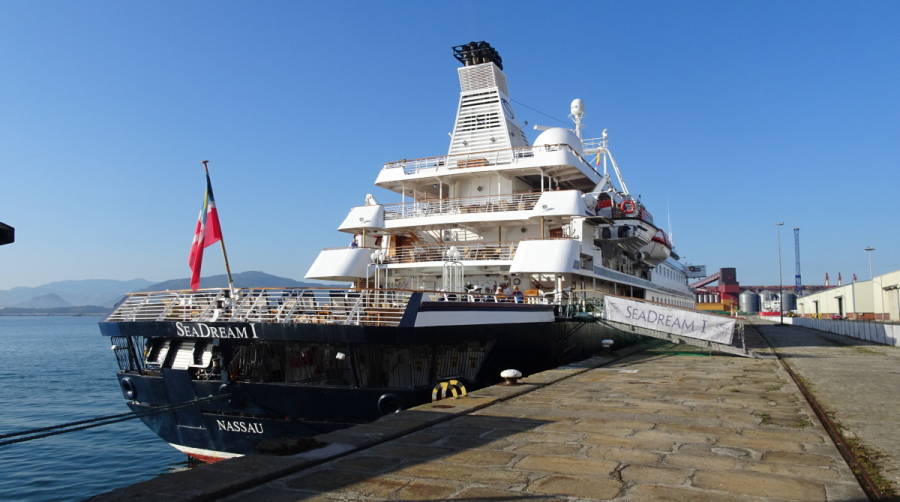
{"type": "Point", "coordinates": [102, 292]}
{"type": "Point", "coordinates": [50, 300]}
{"type": "Point", "coordinates": [252, 279]}
{"type": "Point", "coordinates": [85, 310]}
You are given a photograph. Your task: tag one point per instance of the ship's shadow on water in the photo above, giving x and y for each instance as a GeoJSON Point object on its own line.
{"type": "Point", "coordinates": [468, 448]}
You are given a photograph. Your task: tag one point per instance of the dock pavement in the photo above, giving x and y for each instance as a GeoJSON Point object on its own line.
{"type": "Point", "coordinates": [858, 384]}
{"type": "Point", "coordinates": [657, 422]}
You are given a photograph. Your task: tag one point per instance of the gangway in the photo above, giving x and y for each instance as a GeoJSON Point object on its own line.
{"type": "Point", "coordinates": [708, 331]}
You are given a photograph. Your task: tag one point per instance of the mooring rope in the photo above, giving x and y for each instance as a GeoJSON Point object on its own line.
{"type": "Point", "coordinates": [89, 423]}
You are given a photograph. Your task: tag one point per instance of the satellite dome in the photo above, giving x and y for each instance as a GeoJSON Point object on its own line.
{"type": "Point", "coordinates": [577, 107]}
{"type": "Point", "coordinates": [559, 136]}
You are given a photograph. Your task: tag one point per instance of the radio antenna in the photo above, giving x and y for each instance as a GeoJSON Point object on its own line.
{"type": "Point", "coordinates": [669, 218]}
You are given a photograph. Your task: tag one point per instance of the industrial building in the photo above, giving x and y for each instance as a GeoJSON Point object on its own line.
{"type": "Point", "coordinates": [875, 299]}
{"type": "Point", "coordinates": [730, 295]}
{"type": "Point", "coordinates": [721, 297]}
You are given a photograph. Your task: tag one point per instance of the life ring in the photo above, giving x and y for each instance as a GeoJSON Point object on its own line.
{"type": "Point", "coordinates": [127, 388]}
{"type": "Point", "coordinates": [517, 281]}
{"type": "Point", "coordinates": [627, 206]}
{"type": "Point", "coordinates": [389, 403]}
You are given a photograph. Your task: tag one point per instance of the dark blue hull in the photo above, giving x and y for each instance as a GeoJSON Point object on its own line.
{"type": "Point", "coordinates": [266, 408]}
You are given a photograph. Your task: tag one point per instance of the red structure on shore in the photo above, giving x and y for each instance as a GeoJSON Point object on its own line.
{"type": "Point", "coordinates": [726, 292]}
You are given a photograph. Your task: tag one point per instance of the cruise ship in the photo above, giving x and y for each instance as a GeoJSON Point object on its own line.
{"type": "Point", "coordinates": [488, 261]}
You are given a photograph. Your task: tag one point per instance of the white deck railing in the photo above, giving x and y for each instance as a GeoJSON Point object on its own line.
{"type": "Point", "coordinates": [463, 205]}
{"type": "Point", "coordinates": [371, 307]}
{"type": "Point", "coordinates": [467, 252]}
{"type": "Point", "coordinates": [301, 305]}
{"type": "Point", "coordinates": [481, 159]}
{"type": "Point", "coordinates": [594, 144]}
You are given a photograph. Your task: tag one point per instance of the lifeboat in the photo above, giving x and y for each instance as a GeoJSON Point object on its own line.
{"type": "Point", "coordinates": [657, 250]}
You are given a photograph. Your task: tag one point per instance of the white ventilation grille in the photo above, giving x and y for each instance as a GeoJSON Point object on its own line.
{"type": "Point", "coordinates": [483, 76]}
{"type": "Point", "coordinates": [484, 119]}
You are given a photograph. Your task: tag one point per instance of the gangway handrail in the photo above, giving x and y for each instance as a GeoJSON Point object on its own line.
{"type": "Point", "coordinates": [599, 316]}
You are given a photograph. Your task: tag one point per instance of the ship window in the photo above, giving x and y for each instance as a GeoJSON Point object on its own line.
{"type": "Point", "coordinates": [403, 367]}
{"type": "Point", "coordinates": [460, 361]}
{"type": "Point", "coordinates": [388, 366]}
{"type": "Point", "coordinates": [315, 364]}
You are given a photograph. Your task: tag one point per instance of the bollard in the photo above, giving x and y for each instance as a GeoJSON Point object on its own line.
{"type": "Point", "coordinates": [510, 376]}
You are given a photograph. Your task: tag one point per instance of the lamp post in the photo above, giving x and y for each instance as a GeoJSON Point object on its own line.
{"type": "Point", "coordinates": [780, 281]}
{"type": "Point", "coordinates": [868, 251]}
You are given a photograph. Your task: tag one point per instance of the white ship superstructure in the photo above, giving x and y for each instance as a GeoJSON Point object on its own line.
{"type": "Point", "coordinates": [498, 214]}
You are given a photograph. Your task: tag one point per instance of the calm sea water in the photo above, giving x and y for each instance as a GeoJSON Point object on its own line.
{"type": "Point", "coordinates": [60, 369]}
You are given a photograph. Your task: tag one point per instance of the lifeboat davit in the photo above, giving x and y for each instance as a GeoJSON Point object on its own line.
{"type": "Point", "coordinates": [629, 225]}
{"type": "Point", "coordinates": [657, 250]}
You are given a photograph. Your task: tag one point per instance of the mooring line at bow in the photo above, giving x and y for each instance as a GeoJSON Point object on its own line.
{"type": "Point", "coordinates": [88, 423]}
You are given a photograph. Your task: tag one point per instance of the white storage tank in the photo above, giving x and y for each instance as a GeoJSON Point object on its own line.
{"type": "Point", "coordinates": [790, 301]}
{"type": "Point", "coordinates": [749, 302]}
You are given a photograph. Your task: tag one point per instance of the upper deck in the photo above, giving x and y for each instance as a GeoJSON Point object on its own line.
{"type": "Point", "coordinates": [336, 306]}
{"type": "Point", "coordinates": [562, 162]}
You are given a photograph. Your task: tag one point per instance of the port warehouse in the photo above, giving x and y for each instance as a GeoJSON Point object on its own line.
{"type": "Point", "coordinates": [875, 299]}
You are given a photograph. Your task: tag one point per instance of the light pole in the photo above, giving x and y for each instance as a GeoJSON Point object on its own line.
{"type": "Point", "coordinates": [780, 281]}
{"type": "Point", "coordinates": [868, 251]}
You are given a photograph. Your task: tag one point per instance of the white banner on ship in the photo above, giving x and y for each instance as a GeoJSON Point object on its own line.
{"type": "Point", "coordinates": [668, 320]}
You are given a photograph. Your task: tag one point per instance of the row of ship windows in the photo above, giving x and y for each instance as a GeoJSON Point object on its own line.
{"type": "Point", "coordinates": [671, 301]}
{"type": "Point", "coordinates": [671, 274]}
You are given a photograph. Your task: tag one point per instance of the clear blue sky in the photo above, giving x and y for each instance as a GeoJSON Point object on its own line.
{"type": "Point", "coordinates": [739, 114]}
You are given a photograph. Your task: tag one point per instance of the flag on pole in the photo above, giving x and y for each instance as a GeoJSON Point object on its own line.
{"type": "Point", "coordinates": [206, 233]}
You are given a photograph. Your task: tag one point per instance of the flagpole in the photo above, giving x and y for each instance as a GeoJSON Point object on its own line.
{"type": "Point", "coordinates": [222, 241]}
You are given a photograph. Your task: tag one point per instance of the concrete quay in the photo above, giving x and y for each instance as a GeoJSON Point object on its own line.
{"type": "Point", "coordinates": [857, 383]}
{"type": "Point", "coordinates": [666, 423]}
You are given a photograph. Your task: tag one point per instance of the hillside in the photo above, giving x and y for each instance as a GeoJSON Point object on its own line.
{"type": "Point", "coordinates": [50, 300]}
{"type": "Point", "coordinates": [103, 292]}
{"type": "Point", "coordinates": [251, 279]}
{"type": "Point", "coordinates": [85, 310]}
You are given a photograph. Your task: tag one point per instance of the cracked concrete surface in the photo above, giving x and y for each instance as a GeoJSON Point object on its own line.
{"type": "Point", "coordinates": [856, 381]}
{"type": "Point", "coordinates": [683, 426]}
